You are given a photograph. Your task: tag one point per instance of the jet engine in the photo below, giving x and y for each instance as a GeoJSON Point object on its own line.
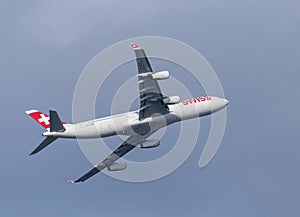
{"type": "Point", "coordinates": [156, 75]}
{"type": "Point", "coordinates": [171, 100]}
{"type": "Point", "coordinates": [160, 75]}
{"type": "Point", "coordinates": [117, 166]}
{"type": "Point", "coordinates": [150, 143]}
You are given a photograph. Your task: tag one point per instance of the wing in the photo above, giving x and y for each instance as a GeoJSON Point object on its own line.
{"type": "Point", "coordinates": [123, 149]}
{"type": "Point", "coordinates": [150, 93]}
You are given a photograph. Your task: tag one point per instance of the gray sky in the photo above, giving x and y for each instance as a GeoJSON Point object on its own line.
{"type": "Point", "coordinates": [252, 45]}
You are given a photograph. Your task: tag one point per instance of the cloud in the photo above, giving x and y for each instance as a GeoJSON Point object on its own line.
{"type": "Point", "coordinates": [63, 23]}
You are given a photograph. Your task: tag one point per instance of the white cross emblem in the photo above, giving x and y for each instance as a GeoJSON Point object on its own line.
{"type": "Point", "coordinates": [44, 119]}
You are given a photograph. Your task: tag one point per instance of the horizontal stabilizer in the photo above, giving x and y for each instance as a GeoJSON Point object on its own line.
{"type": "Point", "coordinates": [44, 144]}
{"type": "Point", "coordinates": [55, 122]}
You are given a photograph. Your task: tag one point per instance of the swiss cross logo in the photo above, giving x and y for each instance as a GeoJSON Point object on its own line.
{"type": "Point", "coordinates": [44, 119]}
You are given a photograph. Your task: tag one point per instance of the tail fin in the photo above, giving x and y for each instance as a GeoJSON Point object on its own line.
{"type": "Point", "coordinates": [41, 118]}
{"type": "Point", "coordinates": [52, 123]}
{"type": "Point", "coordinates": [44, 119]}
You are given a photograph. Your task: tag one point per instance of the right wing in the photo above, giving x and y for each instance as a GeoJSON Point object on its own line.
{"type": "Point", "coordinates": [123, 149]}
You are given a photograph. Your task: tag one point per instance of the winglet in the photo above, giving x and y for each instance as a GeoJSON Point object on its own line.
{"type": "Point", "coordinates": [71, 181]}
{"type": "Point", "coordinates": [134, 46]}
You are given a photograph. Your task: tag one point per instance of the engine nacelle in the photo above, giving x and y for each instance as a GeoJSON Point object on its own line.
{"type": "Point", "coordinates": [171, 100]}
{"type": "Point", "coordinates": [160, 75]}
{"type": "Point", "coordinates": [117, 166]}
{"type": "Point", "coordinates": [151, 143]}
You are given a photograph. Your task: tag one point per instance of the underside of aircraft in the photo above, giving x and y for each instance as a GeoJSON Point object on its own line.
{"type": "Point", "coordinates": [155, 112]}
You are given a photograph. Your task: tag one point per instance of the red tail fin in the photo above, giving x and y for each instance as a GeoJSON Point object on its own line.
{"type": "Point", "coordinates": [41, 118]}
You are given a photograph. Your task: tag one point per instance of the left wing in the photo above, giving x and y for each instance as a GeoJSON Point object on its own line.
{"type": "Point", "coordinates": [123, 149]}
{"type": "Point", "coordinates": [150, 93]}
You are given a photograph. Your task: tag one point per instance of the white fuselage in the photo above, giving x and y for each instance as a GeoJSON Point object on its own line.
{"type": "Point", "coordinates": [129, 123]}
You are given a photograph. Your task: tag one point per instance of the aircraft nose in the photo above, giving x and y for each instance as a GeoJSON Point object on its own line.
{"type": "Point", "coordinates": [218, 103]}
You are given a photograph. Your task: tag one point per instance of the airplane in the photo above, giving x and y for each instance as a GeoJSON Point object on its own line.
{"type": "Point", "coordinates": [155, 112]}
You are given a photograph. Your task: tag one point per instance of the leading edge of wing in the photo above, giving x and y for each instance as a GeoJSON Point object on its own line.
{"type": "Point", "coordinates": [123, 149]}
{"type": "Point", "coordinates": [142, 61]}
